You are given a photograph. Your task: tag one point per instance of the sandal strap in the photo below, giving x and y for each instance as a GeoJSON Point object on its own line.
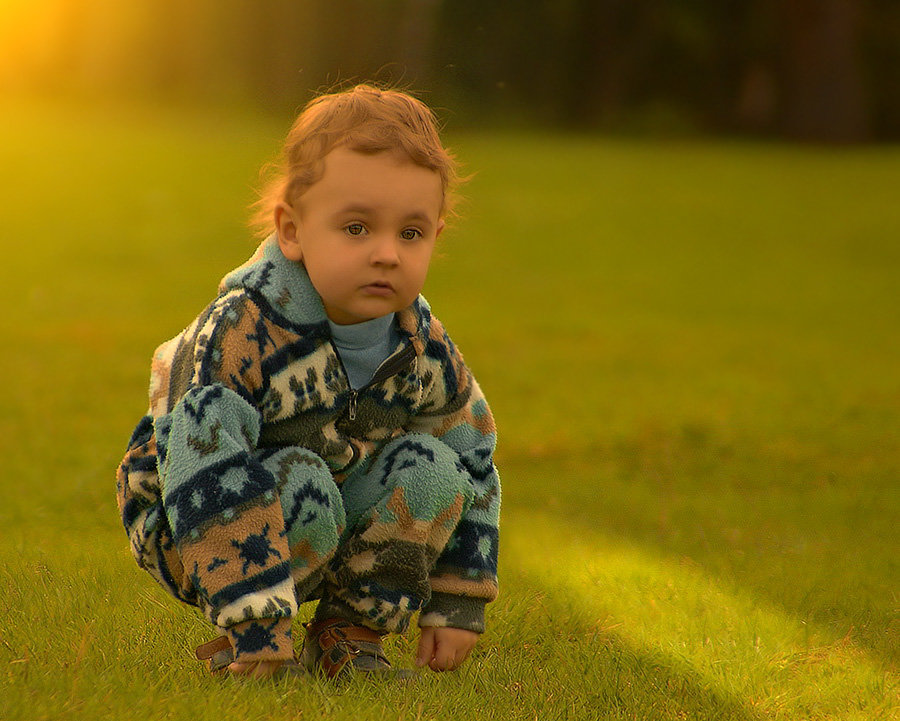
{"type": "Point", "coordinates": [206, 651]}
{"type": "Point", "coordinates": [334, 630]}
{"type": "Point", "coordinates": [340, 641]}
{"type": "Point", "coordinates": [217, 652]}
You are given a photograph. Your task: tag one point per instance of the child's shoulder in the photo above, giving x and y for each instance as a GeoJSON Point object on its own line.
{"type": "Point", "coordinates": [439, 359]}
{"type": "Point", "coordinates": [436, 338]}
{"type": "Point", "coordinates": [278, 288]}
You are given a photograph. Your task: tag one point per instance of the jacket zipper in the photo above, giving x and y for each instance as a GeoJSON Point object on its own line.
{"type": "Point", "coordinates": [391, 367]}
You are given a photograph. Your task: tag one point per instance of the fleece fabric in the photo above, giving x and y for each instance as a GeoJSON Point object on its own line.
{"type": "Point", "coordinates": [238, 483]}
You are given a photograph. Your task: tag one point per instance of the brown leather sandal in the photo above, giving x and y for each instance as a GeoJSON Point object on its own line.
{"type": "Point", "coordinates": [219, 654]}
{"type": "Point", "coordinates": [336, 646]}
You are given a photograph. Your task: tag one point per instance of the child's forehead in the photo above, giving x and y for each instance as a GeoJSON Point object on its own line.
{"type": "Point", "coordinates": [352, 166]}
{"type": "Point", "coordinates": [347, 152]}
{"type": "Point", "coordinates": [382, 176]}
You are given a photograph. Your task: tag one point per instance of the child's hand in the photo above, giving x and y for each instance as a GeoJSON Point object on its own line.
{"type": "Point", "coordinates": [444, 649]}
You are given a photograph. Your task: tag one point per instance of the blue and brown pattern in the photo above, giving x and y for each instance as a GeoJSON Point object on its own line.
{"type": "Point", "coordinates": [237, 486]}
{"type": "Point", "coordinates": [401, 512]}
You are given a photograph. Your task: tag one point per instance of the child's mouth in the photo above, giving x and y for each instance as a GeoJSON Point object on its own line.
{"type": "Point", "coordinates": [379, 288]}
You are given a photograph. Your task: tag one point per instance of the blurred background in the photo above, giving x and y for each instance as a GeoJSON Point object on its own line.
{"type": "Point", "coordinates": [813, 70]}
{"type": "Point", "coordinates": [675, 273]}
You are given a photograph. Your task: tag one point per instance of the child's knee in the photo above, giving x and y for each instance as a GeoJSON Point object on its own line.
{"type": "Point", "coordinates": [431, 474]}
{"type": "Point", "coordinates": [310, 500]}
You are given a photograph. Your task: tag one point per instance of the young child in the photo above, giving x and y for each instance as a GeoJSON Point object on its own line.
{"type": "Point", "coordinates": [314, 433]}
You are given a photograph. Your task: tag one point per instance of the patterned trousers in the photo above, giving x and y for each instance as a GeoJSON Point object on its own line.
{"type": "Point", "coordinates": [365, 548]}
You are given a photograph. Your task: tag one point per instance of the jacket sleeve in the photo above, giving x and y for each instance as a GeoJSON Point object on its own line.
{"type": "Point", "coordinates": [221, 504]}
{"type": "Point", "coordinates": [464, 578]}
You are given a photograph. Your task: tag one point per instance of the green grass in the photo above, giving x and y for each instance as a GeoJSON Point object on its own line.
{"type": "Point", "coordinates": [692, 352]}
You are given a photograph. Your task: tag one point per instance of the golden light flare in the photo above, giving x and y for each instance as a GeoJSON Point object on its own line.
{"type": "Point", "coordinates": [32, 36]}
{"type": "Point", "coordinates": [51, 43]}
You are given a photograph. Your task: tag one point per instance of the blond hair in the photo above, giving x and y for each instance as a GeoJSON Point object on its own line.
{"type": "Point", "coordinates": [366, 119]}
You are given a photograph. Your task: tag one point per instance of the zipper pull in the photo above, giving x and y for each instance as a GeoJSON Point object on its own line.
{"type": "Point", "coordinates": [353, 395]}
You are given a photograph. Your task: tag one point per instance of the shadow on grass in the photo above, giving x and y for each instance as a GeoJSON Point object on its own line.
{"type": "Point", "coordinates": [548, 642]}
{"type": "Point", "coordinates": [818, 548]}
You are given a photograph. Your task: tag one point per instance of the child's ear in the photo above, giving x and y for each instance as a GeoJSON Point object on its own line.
{"type": "Point", "coordinates": [440, 227]}
{"type": "Point", "coordinates": [288, 231]}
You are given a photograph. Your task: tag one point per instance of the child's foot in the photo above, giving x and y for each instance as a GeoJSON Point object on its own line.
{"type": "Point", "coordinates": [336, 646]}
{"type": "Point", "coordinates": [220, 656]}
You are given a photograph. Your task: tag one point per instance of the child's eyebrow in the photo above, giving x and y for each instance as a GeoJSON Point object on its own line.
{"type": "Point", "coordinates": [355, 209]}
{"type": "Point", "coordinates": [419, 216]}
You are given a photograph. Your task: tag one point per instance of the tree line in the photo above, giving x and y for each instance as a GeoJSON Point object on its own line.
{"type": "Point", "coordinates": [824, 70]}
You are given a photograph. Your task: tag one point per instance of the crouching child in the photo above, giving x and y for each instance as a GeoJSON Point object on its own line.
{"type": "Point", "coordinates": [314, 434]}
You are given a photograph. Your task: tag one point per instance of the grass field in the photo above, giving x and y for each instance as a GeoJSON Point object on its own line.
{"type": "Point", "coordinates": [693, 352]}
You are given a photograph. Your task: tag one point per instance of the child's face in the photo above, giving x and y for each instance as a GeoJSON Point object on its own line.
{"type": "Point", "coordinates": [365, 232]}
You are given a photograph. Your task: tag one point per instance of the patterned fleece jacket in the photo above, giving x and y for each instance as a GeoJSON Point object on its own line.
{"type": "Point", "coordinates": [256, 371]}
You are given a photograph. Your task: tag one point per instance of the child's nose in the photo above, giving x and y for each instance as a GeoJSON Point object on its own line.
{"type": "Point", "coordinates": [385, 251]}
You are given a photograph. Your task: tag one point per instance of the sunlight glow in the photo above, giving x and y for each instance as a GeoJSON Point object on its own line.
{"type": "Point", "coordinates": [31, 37]}
{"type": "Point", "coordinates": [54, 44]}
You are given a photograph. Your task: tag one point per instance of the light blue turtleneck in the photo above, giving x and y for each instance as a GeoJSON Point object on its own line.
{"type": "Point", "coordinates": [365, 346]}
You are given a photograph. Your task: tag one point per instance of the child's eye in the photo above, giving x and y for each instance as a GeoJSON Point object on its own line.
{"type": "Point", "coordinates": [355, 229]}
{"type": "Point", "coordinates": [410, 234]}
